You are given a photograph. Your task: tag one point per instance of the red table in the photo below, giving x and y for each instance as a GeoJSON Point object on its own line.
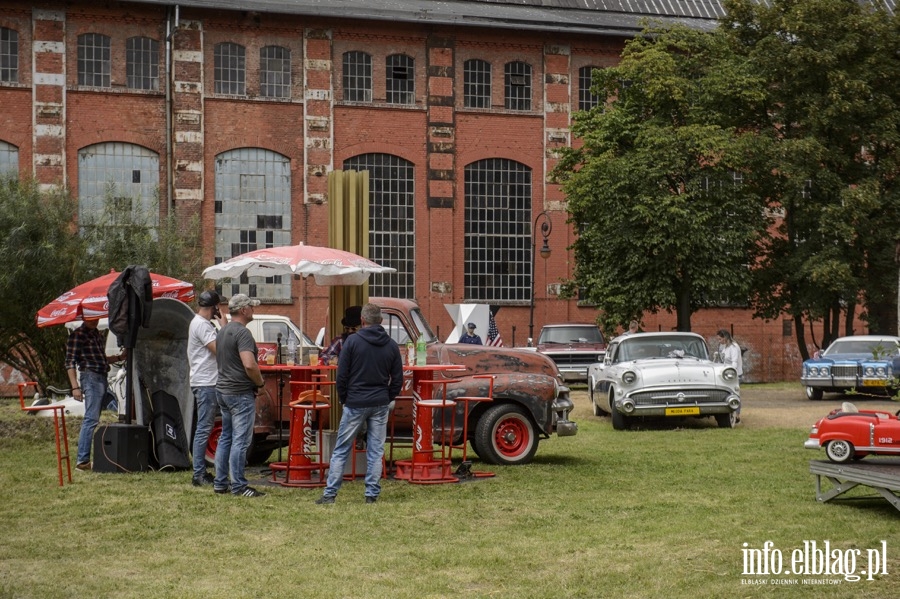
{"type": "Point", "coordinates": [296, 372]}
{"type": "Point", "coordinates": [423, 467]}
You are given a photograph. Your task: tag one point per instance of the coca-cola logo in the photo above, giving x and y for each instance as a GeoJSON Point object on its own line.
{"type": "Point", "coordinates": [60, 312]}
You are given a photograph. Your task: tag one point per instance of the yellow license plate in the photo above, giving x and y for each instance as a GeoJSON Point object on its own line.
{"type": "Point", "coordinates": [881, 383]}
{"type": "Point", "coordinates": [682, 411]}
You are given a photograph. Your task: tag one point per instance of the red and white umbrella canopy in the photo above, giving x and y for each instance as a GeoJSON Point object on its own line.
{"type": "Point", "coordinates": [89, 300]}
{"type": "Point", "coordinates": [327, 265]}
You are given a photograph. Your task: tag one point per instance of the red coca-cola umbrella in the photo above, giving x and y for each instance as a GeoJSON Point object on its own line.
{"type": "Point", "coordinates": [89, 300]}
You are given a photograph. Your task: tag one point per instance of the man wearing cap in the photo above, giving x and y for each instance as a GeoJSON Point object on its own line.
{"type": "Point", "coordinates": [239, 380]}
{"type": "Point", "coordinates": [86, 352]}
{"type": "Point", "coordinates": [201, 352]}
{"type": "Point", "coordinates": [469, 336]}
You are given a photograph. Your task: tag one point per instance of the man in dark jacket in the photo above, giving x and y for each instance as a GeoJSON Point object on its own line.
{"type": "Point", "coordinates": [369, 377]}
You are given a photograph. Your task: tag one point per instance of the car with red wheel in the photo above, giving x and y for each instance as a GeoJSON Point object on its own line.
{"type": "Point", "coordinates": [848, 434]}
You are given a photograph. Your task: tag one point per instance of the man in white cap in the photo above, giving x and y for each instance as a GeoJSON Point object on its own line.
{"type": "Point", "coordinates": [469, 336]}
{"type": "Point", "coordinates": [239, 380]}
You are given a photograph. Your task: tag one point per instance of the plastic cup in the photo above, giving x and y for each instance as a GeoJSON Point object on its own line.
{"type": "Point", "coordinates": [313, 358]}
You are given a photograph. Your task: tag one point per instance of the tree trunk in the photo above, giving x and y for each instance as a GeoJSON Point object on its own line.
{"type": "Point", "coordinates": [801, 336]}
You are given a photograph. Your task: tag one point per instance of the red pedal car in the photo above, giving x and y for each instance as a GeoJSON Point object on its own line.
{"type": "Point", "coordinates": [850, 434]}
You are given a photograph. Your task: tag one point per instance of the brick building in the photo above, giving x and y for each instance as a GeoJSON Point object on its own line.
{"type": "Point", "coordinates": [234, 112]}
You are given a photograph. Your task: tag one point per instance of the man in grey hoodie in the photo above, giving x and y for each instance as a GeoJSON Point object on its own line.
{"type": "Point", "coordinates": [369, 377]}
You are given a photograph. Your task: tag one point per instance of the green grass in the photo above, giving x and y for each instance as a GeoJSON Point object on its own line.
{"type": "Point", "coordinates": [648, 513]}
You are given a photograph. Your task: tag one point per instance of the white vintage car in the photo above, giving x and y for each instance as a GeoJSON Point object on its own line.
{"type": "Point", "coordinates": [662, 374]}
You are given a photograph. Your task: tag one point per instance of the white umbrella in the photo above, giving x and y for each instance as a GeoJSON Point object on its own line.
{"type": "Point", "coordinates": [327, 265]}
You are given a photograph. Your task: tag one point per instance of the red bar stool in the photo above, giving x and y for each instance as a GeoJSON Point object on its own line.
{"type": "Point", "coordinates": [59, 425]}
{"type": "Point", "coordinates": [403, 405]}
{"type": "Point", "coordinates": [304, 445]}
{"type": "Point", "coordinates": [428, 465]}
{"type": "Point", "coordinates": [465, 467]}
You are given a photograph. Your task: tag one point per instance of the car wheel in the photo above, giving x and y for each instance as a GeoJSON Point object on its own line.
{"type": "Point", "coordinates": [505, 436]}
{"type": "Point", "coordinates": [594, 406]}
{"type": "Point", "coordinates": [839, 451]}
{"type": "Point", "coordinates": [619, 420]}
{"type": "Point", "coordinates": [257, 453]}
{"type": "Point", "coordinates": [728, 420]}
{"type": "Point", "coordinates": [814, 393]}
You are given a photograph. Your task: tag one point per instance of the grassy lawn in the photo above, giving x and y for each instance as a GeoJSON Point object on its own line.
{"type": "Point", "coordinates": [662, 512]}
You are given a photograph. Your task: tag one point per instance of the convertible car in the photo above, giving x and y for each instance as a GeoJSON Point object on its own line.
{"type": "Point", "coordinates": [862, 362]}
{"type": "Point", "coordinates": [850, 434]}
{"type": "Point", "coordinates": [662, 374]}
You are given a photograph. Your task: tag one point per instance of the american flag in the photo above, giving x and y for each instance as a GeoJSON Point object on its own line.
{"type": "Point", "coordinates": [493, 337]}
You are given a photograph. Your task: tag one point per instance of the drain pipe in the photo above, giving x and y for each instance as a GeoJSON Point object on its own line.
{"type": "Point", "coordinates": [170, 80]}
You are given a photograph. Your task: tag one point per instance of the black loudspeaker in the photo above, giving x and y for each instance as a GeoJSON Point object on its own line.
{"type": "Point", "coordinates": [121, 448]}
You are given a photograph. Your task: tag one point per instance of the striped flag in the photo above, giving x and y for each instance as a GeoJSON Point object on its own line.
{"type": "Point", "coordinates": [493, 337]}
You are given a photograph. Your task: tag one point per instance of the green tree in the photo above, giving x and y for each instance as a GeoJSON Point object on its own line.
{"type": "Point", "coordinates": [664, 204]}
{"type": "Point", "coordinates": [832, 116]}
{"type": "Point", "coordinates": [40, 257]}
{"type": "Point", "coordinates": [43, 253]}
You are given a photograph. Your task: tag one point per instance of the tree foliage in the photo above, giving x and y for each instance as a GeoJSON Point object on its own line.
{"type": "Point", "coordinates": [832, 117]}
{"type": "Point", "coordinates": [44, 253]}
{"type": "Point", "coordinates": [663, 202]}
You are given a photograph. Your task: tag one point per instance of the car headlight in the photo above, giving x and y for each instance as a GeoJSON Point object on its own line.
{"type": "Point", "coordinates": [814, 430]}
{"type": "Point", "coordinates": [869, 371]}
{"type": "Point", "coordinates": [730, 374]}
{"type": "Point", "coordinates": [881, 371]}
{"type": "Point", "coordinates": [629, 376]}
{"type": "Point", "coordinates": [823, 371]}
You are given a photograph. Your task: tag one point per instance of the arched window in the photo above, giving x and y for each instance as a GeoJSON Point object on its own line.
{"type": "Point", "coordinates": [274, 72]}
{"type": "Point", "coordinates": [230, 69]}
{"type": "Point", "coordinates": [400, 80]}
{"type": "Point", "coordinates": [357, 77]}
{"type": "Point", "coordinates": [392, 224]}
{"type": "Point", "coordinates": [477, 83]}
{"type": "Point", "coordinates": [497, 231]}
{"type": "Point", "coordinates": [142, 63]}
{"type": "Point", "coordinates": [9, 55]}
{"type": "Point", "coordinates": [93, 60]}
{"type": "Point", "coordinates": [253, 211]}
{"type": "Point", "coordinates": [517, 85]}
{"type": "Point", "coordinates": [9, 160]}
{"type": "Point", "coordinates": [118, 183]}
{"type": "Point", "coordinates": [586, 100]}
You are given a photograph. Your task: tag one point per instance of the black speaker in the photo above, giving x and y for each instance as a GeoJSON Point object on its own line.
{"type": "Point", "coordinates": [121, 448]}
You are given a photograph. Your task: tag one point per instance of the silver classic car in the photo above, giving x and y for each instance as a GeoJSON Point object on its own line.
{"type": "Point", "coordinates": [662, 374]}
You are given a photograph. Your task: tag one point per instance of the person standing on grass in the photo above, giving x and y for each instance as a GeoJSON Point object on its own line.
{"type": "Point", "coordinates": [201, 352]}
{"type": "Point", "coordinates": [730, 352]}
{"type": "Point", "coordinates": [86, 352]}
{"type": "Point", "coordinates": [239, 380]}
{"type": "Point", "coordinates": [369, 377]}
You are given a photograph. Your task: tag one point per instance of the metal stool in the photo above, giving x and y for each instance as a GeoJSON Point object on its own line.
{"type": "Point", "coordinates": [464, 469]}
{"type": "Point", "coordinates": [303, 459]}
{"type": "Point", "coordinates": [428, 465]}
{"type": "Point", "coordinates": [59, 425]}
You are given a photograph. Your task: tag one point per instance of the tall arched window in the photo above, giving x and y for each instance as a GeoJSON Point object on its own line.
{"type": "Point", "coordinates": [9, 55]}
{"type": "Point", "coordinates": [497, 231]}
{"type": "Point", "coordinates": [142, 63]}
{"type": "Point", "coordinates": [230, 69]}
{"type": "Point", "coordinates": [9, 160]}
{"type": "Point", "coordinates": [274, 72]}
{"type": "Point", "coordinates": [517, 85]}
{"type": "Point", "coordinates": [400, 81]}
{"type": "Point", "coordinates": [253, 211]}
{"type": "Point", "coordinates": [392, 224]}
{"type": "Point", "coordinates": [477, 83]}
{"type": "Point", "coordinates": [93, 60]}
{"type": "Point", "coordinates": [586, 100]}
{"type": "Point", "coordinates": [118, 183]}
{"type": "Point", "coordinates": [357, 77]}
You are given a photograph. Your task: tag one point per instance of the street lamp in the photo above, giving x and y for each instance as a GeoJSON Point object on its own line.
{"type": "Point", "coordinates": [546, 227]}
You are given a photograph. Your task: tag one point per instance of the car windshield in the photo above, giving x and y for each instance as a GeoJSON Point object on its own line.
{"type": "Point", "coordinates": [641, 347]}
{"type": "Point", "coordinates": [879, 347]}
{"type": "Point", "coordinates": [571, 335]}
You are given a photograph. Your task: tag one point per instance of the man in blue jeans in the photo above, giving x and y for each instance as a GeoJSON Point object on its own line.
{"type": "Point", "coordinates": [369, 377]}
{"type": "Point", "coordinates": [86, 352]}
{"type": "Point", "coordinates": [201, 352]}
{"type": "Point", "coordinates": [239, 380]}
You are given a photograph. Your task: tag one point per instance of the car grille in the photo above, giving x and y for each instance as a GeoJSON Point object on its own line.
{"type": "Point", "coordinates": [844, 371]}
{"type": "Point", "coordinates": [573, 359]}
{"type": "Point", "coordinates": [669, 396]}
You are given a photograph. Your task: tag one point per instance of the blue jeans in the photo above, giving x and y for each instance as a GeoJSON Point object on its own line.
{"type": "Point", "coordinates": [207, 406]}
{"type": "Point", "coordinates": [93, 389]}
{"type": "Point", "coordinates": [352, 420]}
{"type": "Point", "coordinates": [238, 413]}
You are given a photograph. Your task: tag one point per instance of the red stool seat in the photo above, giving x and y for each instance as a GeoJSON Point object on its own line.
{"type": "Point", "coordinates": [59, 425]}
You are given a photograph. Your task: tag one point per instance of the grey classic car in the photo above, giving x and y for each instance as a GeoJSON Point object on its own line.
{"type": "Point", "coordinates": [662, 374]}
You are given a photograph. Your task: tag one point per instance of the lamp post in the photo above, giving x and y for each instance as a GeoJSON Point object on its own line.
{"type": "Point", "coordinates": [546, 226]}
